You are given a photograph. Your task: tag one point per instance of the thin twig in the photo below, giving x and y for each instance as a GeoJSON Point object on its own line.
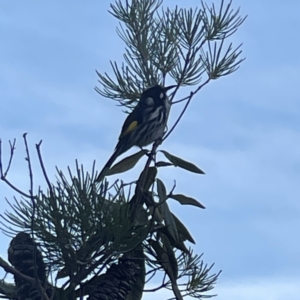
{"type": "Point", "coordinates": [38, 149]}
{"type": "Point", "coordinates": [186, 62]}
{"type": "Point", "coordinates": [172, 190]}
{"type": "Point", "coordinates": [12, 148]}
{"type": "Point", "coordinates": [39, 286]}
{"type": "Point", "coordinates": [15, 188]}
{"type": "Point", "coordinates": [186, 106]}
{"type": "Point", "coordinates": [163, 285]}
{"type": "Point", "coordinates": [3, 175]}
{"type": "Point", "coordinates": [181, 100]}
{"type": "Point", "coordinates": [30, 171]}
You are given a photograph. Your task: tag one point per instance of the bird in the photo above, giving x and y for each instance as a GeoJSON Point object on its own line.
{"type": "Point", "coordinates": [144, 125]}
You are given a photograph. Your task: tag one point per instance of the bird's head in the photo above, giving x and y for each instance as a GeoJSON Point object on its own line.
{"type": "Point", "coordinates": [155, 95]}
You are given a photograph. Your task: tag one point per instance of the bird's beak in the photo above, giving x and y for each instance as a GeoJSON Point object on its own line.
{"type": "Point", "coordinates": [169, 87]}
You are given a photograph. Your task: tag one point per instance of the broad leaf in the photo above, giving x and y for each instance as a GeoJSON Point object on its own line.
{"type": "Point", "coordinates": [174, 264]}
{"type": "Point", "coordinates": [169, 220]}
{"type": "Point", "coordinates": [167, 246]}
{"type": "Point", "coordinates": [163, 164]}
{"type": "Point", "coordinates": [165, 211]}
{"type": "Point", "coordinates": [179, 162]}
{"type": "Point", "coordinates": [182, 230]}
{"type": "Point", "coordinates": [164, 259]}
{"type": "Point", "coordinates": [176, 244]}
{"type": "Point", "coordinates": [176, 291]}
{"type": "Point", "coordinates": [161, 191]}
{"type": "Point", "coordinates": [185, 200]}
{"type": "Point", "coordinates": [126, 164]}
{"type": "Point", "coordinates": [151, 174]}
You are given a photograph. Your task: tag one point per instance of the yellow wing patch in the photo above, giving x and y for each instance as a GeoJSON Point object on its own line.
{"type": "Point", "coordinates": [131, 127]}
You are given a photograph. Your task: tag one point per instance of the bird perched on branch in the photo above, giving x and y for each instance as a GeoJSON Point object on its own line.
{"type": "Point", "coordinates": [144, 125]}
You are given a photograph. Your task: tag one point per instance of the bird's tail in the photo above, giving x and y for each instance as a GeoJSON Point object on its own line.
{"type": "Point", "coordinates": [108, 165]}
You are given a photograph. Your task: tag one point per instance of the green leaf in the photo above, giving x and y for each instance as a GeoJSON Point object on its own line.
{"type": "Point", "coordinates": [179, 162]}
{"type": "Point", "coordinates": [165, 211]}
{"type": "Point", "coordinates": [169, 220]}
{"type": "Point", "coordinates": [161, 191]}
{"type": "Point", "coordinates": [163, 164]}
{"type": "Point", "coordinates": [185, 200]}
{"type": "Point", "coordinates": [164, 259]}
{"type": "Point", "coordinates": [176, 291]}
{"type": "Point", "coordinates": [126, 164]}
{"type": "Point", "coordinates": [151, 174]}
{"type": "Point", "coordinates": [167, 246]}
{"type": "Point", "coordinates": [177, 244]}
{"type": "Point", "coordinates": [173, 264]}
{"type": "Point", "coordinates": [182, 230]}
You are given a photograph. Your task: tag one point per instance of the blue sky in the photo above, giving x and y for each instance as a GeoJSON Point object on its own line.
{"type": "Point", "coordinates": [243, 130]}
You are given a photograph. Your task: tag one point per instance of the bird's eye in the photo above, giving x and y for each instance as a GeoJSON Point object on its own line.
{"type": "Point", "coordinates": [149, 101]}
{"type": "Point", "coordinates": [161, 96]}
